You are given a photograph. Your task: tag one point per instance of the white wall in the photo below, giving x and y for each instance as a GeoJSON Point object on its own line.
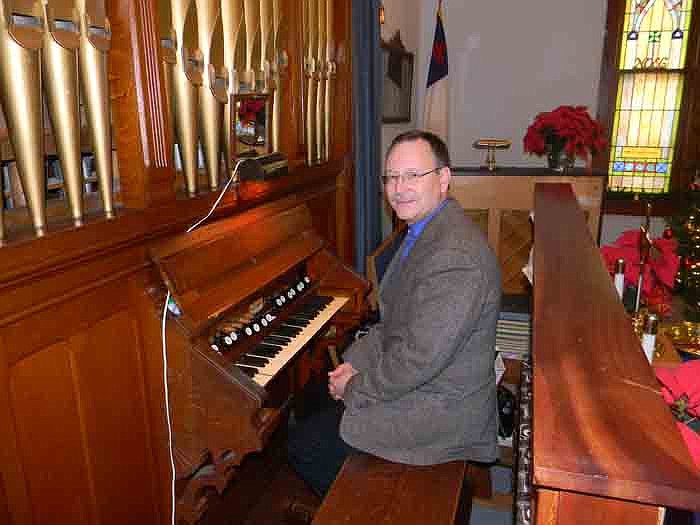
{"type": "Point", "coordinates": [511, 60]}
{"type": "Point", "coordinates": [508, 61]}
{"type": "Point", "coordinates": [614, 225]}
{"type": "Point", "coordinates": [403, 16]}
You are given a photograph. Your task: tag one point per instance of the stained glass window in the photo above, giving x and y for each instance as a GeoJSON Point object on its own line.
{"type": "Point", "coordinates": [650, 88]}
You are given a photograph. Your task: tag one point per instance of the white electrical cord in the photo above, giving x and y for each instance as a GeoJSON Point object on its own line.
{"type": "Point", "coordinates": [167, 410]}
{"type": "Point", "coordinates": [165, 356]}
{"type": "Point", "coordinates": [221, 195]}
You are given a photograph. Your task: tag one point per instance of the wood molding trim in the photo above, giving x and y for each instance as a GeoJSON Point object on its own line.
{"type": "Point", "coordinates": [142, 135]}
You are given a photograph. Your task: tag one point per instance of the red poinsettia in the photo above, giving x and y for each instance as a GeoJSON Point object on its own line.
{"type": "Point", "coordinates": [570, 128]}
{"type": "Point", "coordinates": [659, 272]}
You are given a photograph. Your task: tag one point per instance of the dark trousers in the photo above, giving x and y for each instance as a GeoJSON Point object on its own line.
{"type": "Point", "coordinates": [315, 449]}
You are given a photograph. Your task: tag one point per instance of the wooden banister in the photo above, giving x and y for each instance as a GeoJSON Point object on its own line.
{"type": "Point", "coordinates": [601, 428]}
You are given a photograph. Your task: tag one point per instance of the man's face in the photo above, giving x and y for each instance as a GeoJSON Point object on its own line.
{"type": "Point", "coordinates": [414, 200]}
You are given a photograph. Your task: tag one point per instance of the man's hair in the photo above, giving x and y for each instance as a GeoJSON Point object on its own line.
{"type": "Point", "coordinates": [437, 146]}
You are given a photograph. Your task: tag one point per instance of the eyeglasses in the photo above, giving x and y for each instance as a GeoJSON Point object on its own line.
{"type": "Point", "coordinates": [407, 177]}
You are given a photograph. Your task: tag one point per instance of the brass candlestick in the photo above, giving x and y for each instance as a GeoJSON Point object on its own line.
{"type": "Point", "coordinates": [644, 249]}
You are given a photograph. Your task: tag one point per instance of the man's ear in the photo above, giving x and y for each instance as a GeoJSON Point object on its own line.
{"type": "Point", "coordinates": [445, 175]}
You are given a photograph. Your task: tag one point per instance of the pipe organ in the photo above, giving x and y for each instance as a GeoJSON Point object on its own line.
{"type": "Point", "coordinates": [56, 104]}
{"type": "Point", "coordinates": [120, 120]}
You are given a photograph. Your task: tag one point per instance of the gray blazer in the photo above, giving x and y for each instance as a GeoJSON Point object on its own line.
{"type": "Point", "coordinates": [426, 388]}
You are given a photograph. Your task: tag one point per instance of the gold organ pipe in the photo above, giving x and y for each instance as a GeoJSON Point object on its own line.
{"type": "Point", "coordinates": [212, 91]}
{"type": "Point", "coordinates": [276, 65]}
{"type": "Point", "coordinates": [265, 43]}
{"type": "Point", "coordinates": [187, 75]}
{"type": "Point", "coordinates": [329, 77]}
{"type": "Point", "coordinates": [312, 23]}
{"type": "Point", "coordinates": [231, 20]}
{"type": "Point", "coordinates": [252, 24]}
{"type": "Point", "coordinates": [320, 91]}
{"type": "Point", "coordinates": [21, 29]}
{"type": "Point", "coordinates": [60, 74]}
{"type": "Point", "coordinates": [95, 35]}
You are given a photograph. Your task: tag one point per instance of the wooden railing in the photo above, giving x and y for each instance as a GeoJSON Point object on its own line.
{"type": "Point", "coordinates": [604, 444]}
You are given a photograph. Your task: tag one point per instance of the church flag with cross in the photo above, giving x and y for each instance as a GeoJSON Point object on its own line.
{"type": "Point", "coordinates": [437, 93]}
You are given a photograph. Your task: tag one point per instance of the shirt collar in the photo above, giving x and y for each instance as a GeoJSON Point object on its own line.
{"type": "Point", "coordinates": [417, 228]}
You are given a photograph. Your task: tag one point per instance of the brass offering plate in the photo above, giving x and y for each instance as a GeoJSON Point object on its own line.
{"type": "Point", "coordinates": [684, 335]}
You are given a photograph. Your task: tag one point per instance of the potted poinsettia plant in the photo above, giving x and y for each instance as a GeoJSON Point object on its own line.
{"type": "Point", "coordinates": [564, 134]}
{"type": "Point", "coordinates": [659, 271]}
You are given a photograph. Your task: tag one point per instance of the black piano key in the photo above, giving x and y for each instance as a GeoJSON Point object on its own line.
{"type": "Point", "coordinates": [247, 370]}
{"type": "Point", "coordinates": [319, 301]}
{"type": "Point", "coordinates": [276, 339]}
{"type": "Point", "coordinates": [252, 361]}
{"type": "Point", "coordinates": [295, 323]}
{"type": "Point", "coordinates": [302, 316]}
{"type": "Point", "coordinates": [285, 331]}
{"type": "Point", "coordinates": [312, 309]}
{"type": "Point", "coordinates": [265, 351]}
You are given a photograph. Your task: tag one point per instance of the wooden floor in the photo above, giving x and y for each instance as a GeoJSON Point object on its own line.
{"type": "Point", "coordinates": [285, 488]}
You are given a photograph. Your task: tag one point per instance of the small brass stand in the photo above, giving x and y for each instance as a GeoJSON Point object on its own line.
{"type": "Point", "coordinates": [491, 145]}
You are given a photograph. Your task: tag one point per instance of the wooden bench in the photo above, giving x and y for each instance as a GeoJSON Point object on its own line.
{"type": "Point", "coordinates": [369, 490]}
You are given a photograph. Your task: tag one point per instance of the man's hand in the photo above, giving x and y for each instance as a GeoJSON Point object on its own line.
{"type": "Point", "coordinates": [338, 379]}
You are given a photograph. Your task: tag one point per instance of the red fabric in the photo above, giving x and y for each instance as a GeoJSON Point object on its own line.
{"type": "Point", "coordinates": [676, 382]}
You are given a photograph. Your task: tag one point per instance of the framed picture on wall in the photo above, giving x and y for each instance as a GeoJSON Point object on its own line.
{"type": "Point", "coordinates": [398, 81]}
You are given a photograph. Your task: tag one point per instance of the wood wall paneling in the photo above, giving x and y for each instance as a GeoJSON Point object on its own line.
{"type": "Point", "coordinates": [82, 425]}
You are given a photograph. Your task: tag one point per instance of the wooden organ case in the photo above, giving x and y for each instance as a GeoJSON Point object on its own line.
{"type": "Point", "coordinates": [251, 294]}
{"type": "Point", "coordinates": [82, 404]}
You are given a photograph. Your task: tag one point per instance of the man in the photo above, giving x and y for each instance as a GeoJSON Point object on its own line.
{"type": "Point", "coordinates": [419, 388]}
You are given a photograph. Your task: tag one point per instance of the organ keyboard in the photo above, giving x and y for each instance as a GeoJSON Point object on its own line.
{"type": "Point", "coordinates": [274, 351]}
{"type": "Point", "coordinates": [251, 294]}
